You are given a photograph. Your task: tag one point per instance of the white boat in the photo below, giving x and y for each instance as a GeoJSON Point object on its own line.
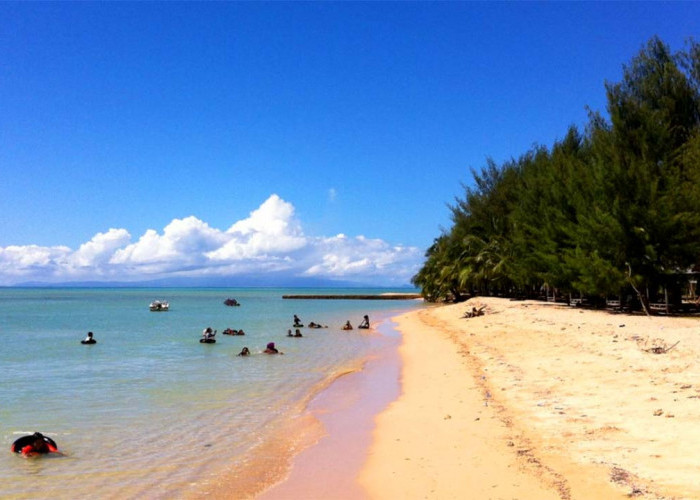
{"type": "Point", "coordinates": [159, 305]}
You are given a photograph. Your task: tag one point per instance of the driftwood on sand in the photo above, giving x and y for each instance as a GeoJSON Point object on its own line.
{"type": "Point", "coordinates": [474, 312]}
{"type": "Point", "coordinates": [661, 349]}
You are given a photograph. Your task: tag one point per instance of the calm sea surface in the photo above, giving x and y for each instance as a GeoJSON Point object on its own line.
{"type": "Point", "coordinates": [149, 411]}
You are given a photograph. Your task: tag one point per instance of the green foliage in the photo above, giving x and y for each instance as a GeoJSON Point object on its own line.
{"type": "Point", "coordinates": [600, 213]}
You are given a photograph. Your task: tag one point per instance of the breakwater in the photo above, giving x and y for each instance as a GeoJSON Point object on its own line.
{"type": "Point", "coordinates": [381, 296]}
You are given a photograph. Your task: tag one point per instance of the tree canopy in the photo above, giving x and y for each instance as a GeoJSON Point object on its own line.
{"type": "Point", "coordinates": [608, 211]}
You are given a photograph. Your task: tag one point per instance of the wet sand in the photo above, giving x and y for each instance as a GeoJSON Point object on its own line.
{"type": "Point", "coordinates": [536, 400]}
{"type": "Point", "coordinates": [531, 401]}
{"type": "Point", "coordinates": [346, 410]}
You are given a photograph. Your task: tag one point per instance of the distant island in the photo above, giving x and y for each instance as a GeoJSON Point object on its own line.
{"type": "Point", "coordinates": [241, 281]}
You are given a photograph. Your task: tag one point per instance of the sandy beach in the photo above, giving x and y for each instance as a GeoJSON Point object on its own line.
{"type": "Point", "coordinates": [536, 400]}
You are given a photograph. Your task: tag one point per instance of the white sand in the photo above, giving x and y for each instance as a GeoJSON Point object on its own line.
{"type": "Point", "coordinates": [535, 401]}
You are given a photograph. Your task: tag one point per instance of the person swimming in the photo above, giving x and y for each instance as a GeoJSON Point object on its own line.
{"type": "Point", "coordinates": [34, 444]}
{"type": "Point", "coordinates": [365, 322]}
{"type": "Point", "coordinates": [271, 349]}
{"type": "Point", "coordinates": [208, 336]}
{"type": "Point", "coordinates": [297, 333]}
{"type": "Point", "coordinates": [244, 352]}
{"type": "Point", "coordinates": [89, 339]}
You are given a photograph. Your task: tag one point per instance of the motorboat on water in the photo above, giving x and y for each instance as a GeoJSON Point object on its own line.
{"type": "Point", "coordinates": [159, 306]}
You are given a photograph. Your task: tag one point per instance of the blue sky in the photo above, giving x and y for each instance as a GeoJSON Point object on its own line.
{"type": "Point", "coordinates": [141, 140]}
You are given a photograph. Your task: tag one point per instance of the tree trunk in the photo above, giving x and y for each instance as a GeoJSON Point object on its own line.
{"type": "Point", "coordinates": [644, 299]}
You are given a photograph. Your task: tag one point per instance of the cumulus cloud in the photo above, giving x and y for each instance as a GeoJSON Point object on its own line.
{"type": "Point", "coordinates": [270, 231]}
{"type": "Point", "coordinates": [270, 239]}
{"type": "Point", "coordinates": [182, 244]}
{"type": "Point", "coordinates": [100, 248]}
{"type": "Point", "coordinates": [344, 257]}
{"type": "Point", "coordinates": [19, 263]}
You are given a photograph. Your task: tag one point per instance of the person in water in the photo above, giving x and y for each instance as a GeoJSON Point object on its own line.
{"type": "Point", "coordinates": [297, 321]}
{"type": "Point", "coordinates": [34, 444]}
{"type": "Point", "coordinates": [208, 333]}
{"type": "Point", "coordinates": [347, 325]}
{"type": "Point", "coordinates": [244, 352]}
{"type": "Point", "coordinates": [89, 339]}
{"type": "Point", "coordinates": [365, 322]}
{"type": "Point", "coordinates": [271, 349]}
{"type": "Point", "coordinates": [297, 333]}
{"type": "Point", "coordinates": [316, 325]}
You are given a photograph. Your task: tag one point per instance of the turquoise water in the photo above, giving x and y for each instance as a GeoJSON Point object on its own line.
{"type": "Point", "coordinates": [148, 410]}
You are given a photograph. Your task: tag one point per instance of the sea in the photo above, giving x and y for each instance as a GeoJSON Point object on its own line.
{"type": "Point", "coordinates": [149, 411]}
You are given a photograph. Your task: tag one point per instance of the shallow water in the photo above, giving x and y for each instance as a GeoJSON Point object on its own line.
{"type": "Point", "coordinates": [148, 410]}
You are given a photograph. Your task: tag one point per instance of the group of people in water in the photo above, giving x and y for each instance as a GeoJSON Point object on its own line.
{"type": "Point", "coordinates": [362, 326]}
{"type": "Point", "coordinates": [297, 324]}
{"type": "Point", "coordinates": [208, 333]}
{"type": "Point", "coordinates": [38, 444]}
{"type": "Point", "coordinates": [269, 349]}
{"type": "Point", "coordinates": [347, 326]}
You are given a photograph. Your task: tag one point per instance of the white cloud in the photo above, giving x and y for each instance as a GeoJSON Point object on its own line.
{"type": "Point", "coordinates": [183, 243]}
{"type": "Point", "coordinates": [19, 263]}
{"type": "Point", "coordinates": [343, 257]}
{"type": "Point", "coordinates": [100, 248]}
{"type": "Point", "coordinates": [270, 239]}
{"type": "Point", "coordinates": [269, 231]}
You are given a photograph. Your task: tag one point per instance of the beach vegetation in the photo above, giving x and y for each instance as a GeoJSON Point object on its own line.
{"type": "Point", "coordinates": [608, 211]}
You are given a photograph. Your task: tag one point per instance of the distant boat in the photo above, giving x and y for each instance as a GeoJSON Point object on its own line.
{"type": "Point", "coordinates": [231, 302]}
{"type": "Point", "coordinates": [159, 306]}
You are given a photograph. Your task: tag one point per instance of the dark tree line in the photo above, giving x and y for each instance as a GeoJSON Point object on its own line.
{"type": "Point", "coordinates": [612, 211]}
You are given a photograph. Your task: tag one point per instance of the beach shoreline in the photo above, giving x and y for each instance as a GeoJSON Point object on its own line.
{"type": "Point", "coordinates": [533, 401]}
{"type": "Point", "coordinates": [338, 415]}
{"type": "Point", "coordinates": [536, 400]}
{"type": "Point", "coordinates": [346, 410]}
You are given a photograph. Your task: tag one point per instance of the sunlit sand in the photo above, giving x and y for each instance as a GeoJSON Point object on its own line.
{"type": "Point", "coordinates": [536, 400]}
